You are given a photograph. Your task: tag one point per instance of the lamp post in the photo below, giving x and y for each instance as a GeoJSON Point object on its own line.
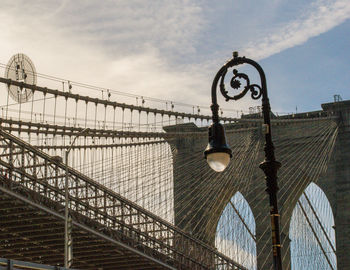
{"type": "Point", "coordinates": [68, 251]}
{"type": "Point", "coordinates": [218, 153]}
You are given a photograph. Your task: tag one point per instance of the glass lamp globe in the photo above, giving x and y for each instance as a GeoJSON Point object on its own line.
{"type": "Point", "coordinates": [217, 153]}
{"type": "Point", "coordinates": [218, 161]}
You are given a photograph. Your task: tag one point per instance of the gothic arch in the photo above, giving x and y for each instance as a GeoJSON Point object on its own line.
{"type": "Point", "coordinates": [235, 232]}
{"type": "Point", "coordinates": [312, 232]}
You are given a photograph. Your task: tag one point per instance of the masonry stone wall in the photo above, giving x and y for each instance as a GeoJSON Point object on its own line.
{"type": "Point", "coordinates": [335, 183]}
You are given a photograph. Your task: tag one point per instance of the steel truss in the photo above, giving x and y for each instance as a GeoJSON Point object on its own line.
{"type": "Point", "coordinates": [108, 230]}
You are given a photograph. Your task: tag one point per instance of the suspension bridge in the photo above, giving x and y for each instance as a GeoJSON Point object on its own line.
{"type": "Point", "coordinates": [140, 194]}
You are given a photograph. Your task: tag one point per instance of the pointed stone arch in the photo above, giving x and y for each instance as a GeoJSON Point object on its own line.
{"type": "Point", "coordinates": [235, 232]}
{"type": "Point", "coordinates": [312, 232]}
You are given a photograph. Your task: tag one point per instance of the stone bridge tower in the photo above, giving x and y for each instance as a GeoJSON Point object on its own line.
{"type": "Point", "coordinates": [197, 216]}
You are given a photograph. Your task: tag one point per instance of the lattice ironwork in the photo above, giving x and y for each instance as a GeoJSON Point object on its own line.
{"type": "Point", "coordinates": [28, 167]}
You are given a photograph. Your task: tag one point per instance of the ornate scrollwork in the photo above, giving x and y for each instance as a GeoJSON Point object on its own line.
{"type": "Point", "coordinates": [256, 91]}
{"type": "Point", "coordinates": [239, 81]}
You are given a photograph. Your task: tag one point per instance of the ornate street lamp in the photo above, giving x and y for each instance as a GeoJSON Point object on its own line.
{"type": "Point", "coordinates": [218, 153]}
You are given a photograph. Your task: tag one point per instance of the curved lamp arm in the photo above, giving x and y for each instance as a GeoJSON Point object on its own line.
{"type": "Point", "coordinates": [256, 90]}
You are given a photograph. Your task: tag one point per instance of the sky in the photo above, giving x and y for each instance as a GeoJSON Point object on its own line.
{"type": "Point", "coordinates": [172, 49]}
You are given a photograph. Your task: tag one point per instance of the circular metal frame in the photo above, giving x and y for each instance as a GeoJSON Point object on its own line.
{"type": "Point", "coordinates": [21, 69]}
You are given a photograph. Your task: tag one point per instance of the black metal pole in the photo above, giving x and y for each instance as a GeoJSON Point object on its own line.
{"type": "Point", "coordinates": [270, 166]}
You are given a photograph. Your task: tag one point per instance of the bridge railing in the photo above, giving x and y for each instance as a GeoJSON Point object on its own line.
{"type": "Point", "coordinates": [43, 174]}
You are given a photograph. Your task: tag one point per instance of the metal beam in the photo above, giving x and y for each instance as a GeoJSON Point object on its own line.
{"type": "Point", "coordinates": [84, 227]}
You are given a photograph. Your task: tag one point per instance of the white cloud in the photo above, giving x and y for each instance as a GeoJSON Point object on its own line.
{"type": "Point", "coordinates": [147, 47]}
{"type": "Point", "coordinates": [131, 26]}
{"type": "Point", "coordinates": [124, 45]}
{"type": "Point", "coordinates": [323, 16]}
